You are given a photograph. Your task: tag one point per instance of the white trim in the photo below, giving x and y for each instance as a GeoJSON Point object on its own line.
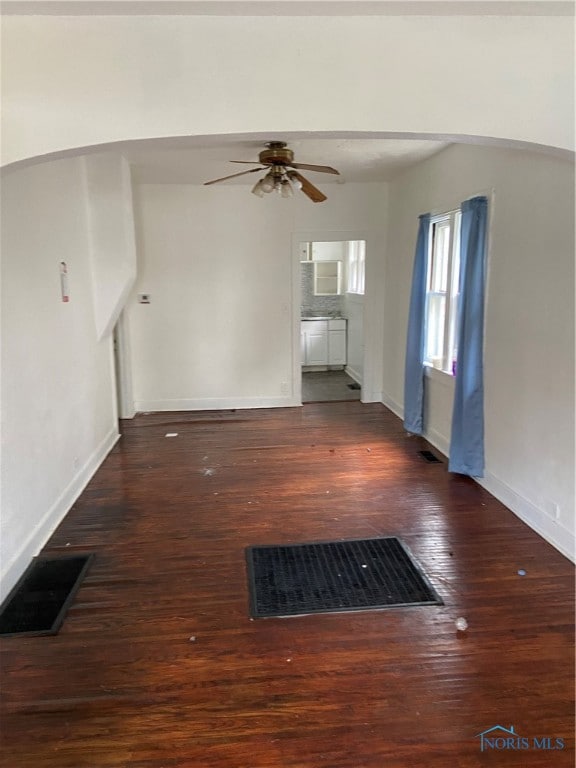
{"type": "Point", "coordinates": [354, 374]}
{"type": "Point", "coordinates": [215, 404]}
{"type": "Point", "coordinates": [123, 368]}
{"type": "Point", "coordinates": [296, 293]}
{"type": "Point", "coordinates": [439, 376]}
{"type": "Point", "coordinates": [560, 538]}
{"type": "Point", "coordinates": [114, 393]}
{"type": "Point", "coordinates": [367, 396]}
{"type": "Point", "coordinates": [438, 440]}
{"type": "Point", "coordinates": [392, 405]}
{"type": "Point", "coordinates": [37, 539]}
{"type": "Point", "coordinates": [319, 368]}
{"type": "Point", "coordinates": [554, 533]}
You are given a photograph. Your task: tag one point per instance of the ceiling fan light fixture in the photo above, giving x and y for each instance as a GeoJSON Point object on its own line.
{"type": "Point", "coordinates": [296, 183]}
{"type": "Point", "coordinates": [267, 183]}
{"type": "Point", "coordinates": [257, 189]}
{"type": "Point", "coordinates": [282, 173]}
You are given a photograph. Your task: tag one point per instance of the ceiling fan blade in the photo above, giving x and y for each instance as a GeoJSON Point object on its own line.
{"type": "Point", "coordinates": [319, 168]}
{"type": "Point", "coordinates": [309, 189]}
{"type": "Point", "coordinates": [246, 162]}
{"type": "Point", "coordinates": [242, 173]}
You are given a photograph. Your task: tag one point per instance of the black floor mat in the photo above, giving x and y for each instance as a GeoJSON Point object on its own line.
{"type": "Point", "coordinates": [354, 385]}
{"type": "Point", "coordinates": [38, 603]}
{"type": "Point", "coordinates": [334, 576]}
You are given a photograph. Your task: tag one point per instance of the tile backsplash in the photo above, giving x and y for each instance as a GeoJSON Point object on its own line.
{"type": "Point", "coordinates": [311, 303]}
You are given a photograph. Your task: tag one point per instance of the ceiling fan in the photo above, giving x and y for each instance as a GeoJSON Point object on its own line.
{"type": "Point", "coordinates": [282, 175]}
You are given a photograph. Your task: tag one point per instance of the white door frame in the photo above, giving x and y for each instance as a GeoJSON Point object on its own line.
{"type": "Point", "coordinates": [123, 368]}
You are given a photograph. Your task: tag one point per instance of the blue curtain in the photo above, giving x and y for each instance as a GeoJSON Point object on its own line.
{"type": "Point", "coordinates": [467, 440]}
{"type": "Point", "coordinates": [414, 370]}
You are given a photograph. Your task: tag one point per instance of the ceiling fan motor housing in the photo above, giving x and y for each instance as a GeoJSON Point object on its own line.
{"type": "Point", "coordinates": [276, 154]}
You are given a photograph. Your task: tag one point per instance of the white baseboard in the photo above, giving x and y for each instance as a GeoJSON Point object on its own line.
{"type": "Point", "coordinates": [370, 397]}
{"type": "Point", "coordinates": [320, 368]}
{"type": "Point", "coordinates": [12, 571]}
{"type": "Point", "coordinates": [354, 374]}
{"type": "Point", "coordinates": [215, 404]}
{"type": "Point", "coordinates": [560, 538]}
{"type": "Point", "coordinates": [438, 441]}
{"type": "Point", "coordinates": [390, 403]}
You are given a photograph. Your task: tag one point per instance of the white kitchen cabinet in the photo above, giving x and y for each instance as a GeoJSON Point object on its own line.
{"type": "Point", "coordinates": [323, 342]}
{"type": "Point", "coordinates": [315, 344]}
{"type": "Point", "coordinates": [337, 342]}
{"type": "Point", "coordinates": [323, 251]}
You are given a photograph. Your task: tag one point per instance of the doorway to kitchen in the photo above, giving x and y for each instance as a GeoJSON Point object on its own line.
{"type": "Point", "coordinates": [331, 319]}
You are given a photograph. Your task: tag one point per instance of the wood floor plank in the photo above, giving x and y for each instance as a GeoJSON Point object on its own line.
{"type": "Point", "coordinates": [158, 664]}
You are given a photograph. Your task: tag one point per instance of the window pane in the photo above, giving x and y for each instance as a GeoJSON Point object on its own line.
{"type": "Point", "coordinates": [356, 261]}
{"type": "Point", "coordinates": [442, 292]}
{"type": "Point", "coordinates": [435, 320]}
{"type": "Point", "coordinates": [440, 254]}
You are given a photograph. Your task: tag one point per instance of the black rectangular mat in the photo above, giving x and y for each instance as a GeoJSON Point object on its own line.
{"type": "Point", "coordinates": [334, 576]}
{"type": "Point", "coordinates": [37, 605]}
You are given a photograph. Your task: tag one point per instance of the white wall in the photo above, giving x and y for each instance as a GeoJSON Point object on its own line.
{"type": "Point", "coordinates": [529, 341]}
{"type": "Point", "coordinates": [222, 328]}
{"type": "Point", "coordinates": [216, 332]}
{"type": "Point", "coordinates": [58, 407]}
{"type": "Point", "coordinates": [112, 239]}
{"type": "Point", "coordinates": [72, 82]}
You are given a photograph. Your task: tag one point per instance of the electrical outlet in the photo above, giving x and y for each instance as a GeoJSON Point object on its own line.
{"type": "Point", "coordinates": [144, 298]}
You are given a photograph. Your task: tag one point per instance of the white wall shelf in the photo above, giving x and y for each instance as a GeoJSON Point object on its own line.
{"type": "Point", "coordinates": [327, 278]}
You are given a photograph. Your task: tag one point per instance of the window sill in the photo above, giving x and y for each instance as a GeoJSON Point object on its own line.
{"type": "Point", "coordinates": [435, 374]}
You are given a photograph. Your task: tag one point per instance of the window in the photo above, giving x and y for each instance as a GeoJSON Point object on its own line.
{"type": "Point", "coordinates": [442, 292]}
{"type": "Point", "coordinates": [356, 261]}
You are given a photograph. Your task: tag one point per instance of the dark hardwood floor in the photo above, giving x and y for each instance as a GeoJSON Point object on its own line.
{"type": "Point", "coordinates": [123, 683]}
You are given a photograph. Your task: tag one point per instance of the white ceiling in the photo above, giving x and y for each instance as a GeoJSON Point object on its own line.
{"type": "Point", "coordinates": [193, 161]}
{"type": "Point", "coordinates": [291, 7]}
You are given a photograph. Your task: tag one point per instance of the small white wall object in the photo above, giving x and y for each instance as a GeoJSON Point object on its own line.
{"type": "Point", "coordinates": [64, 290]}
